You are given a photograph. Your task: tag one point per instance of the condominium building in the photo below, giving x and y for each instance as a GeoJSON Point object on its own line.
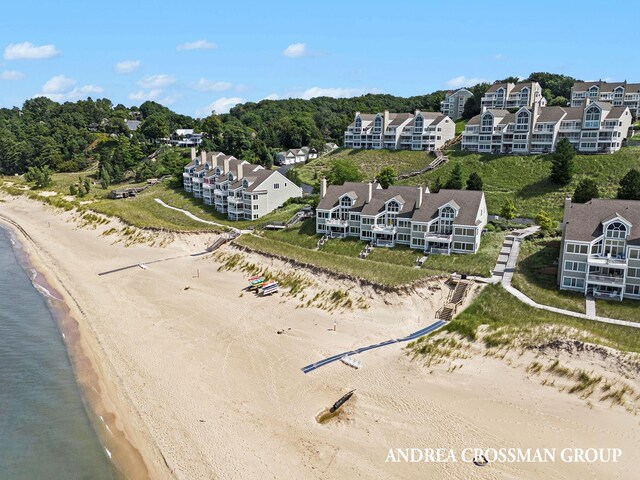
{"type": "Point", "coordinates": [509, 95]}
{"type": "Point", "coordinates": [600, 250]}
{"type": "Point", "coordinates": [620, 94]}
{"type": "Point", "coordinates": [598, 127]}
{"type": "Point", "coordinates": [296, 155]}
{"type": "Point", "coordinates": [453, 103]}
{"type": "Point", "coordinates": [235, 187]}
{"type": "Point", "coordinates": [450, 221]}
{"type": "Point", "coordinates": [400, 131]}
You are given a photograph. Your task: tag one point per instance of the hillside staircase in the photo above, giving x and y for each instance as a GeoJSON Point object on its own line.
{"type": "Point", "coordinates": [366, 251]}
{"type": "Point", "coordinates": [454, 300]}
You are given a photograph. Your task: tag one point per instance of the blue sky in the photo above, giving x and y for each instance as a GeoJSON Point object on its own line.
{"type": "Point", "coordinates": [195, 57]}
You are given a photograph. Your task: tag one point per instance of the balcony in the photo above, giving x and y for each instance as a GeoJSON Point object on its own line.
{"type": "Point", "coordinates": [606, 279]}
{"type": "Point", "coordinates": [234, 199]}
{"type": "Point", "coordinates": [221, 193]}
{"type": "Point", "coordinates": [438, 237]}
{"type": "Point", "coordinates": [384, 229]}
{"type": "Point", "coordinates": [607, 260]}
{"type": "Point", "coordinates": [607, 295]}
{"type": "Point", "coordinates": [336, 222]}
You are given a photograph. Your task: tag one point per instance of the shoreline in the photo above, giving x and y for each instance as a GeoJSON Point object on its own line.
{"type": "Point", "coordinates": [125, 459]}
{"type": "Point", "coordinates": [205, 379]}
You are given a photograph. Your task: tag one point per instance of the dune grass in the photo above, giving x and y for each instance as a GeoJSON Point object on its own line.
{"type": "Point", "coordinates": [536, 274]}
{"type": "Point", "coordinates": [625, 310]}
{"type": "Point", "coordinates": [509, 319]}
{"type": "Point", "coordinates": [525, 179]}
{"type": "Point", "coordinates": [370, 162]}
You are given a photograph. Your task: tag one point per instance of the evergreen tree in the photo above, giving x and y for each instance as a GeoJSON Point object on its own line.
{"type": "Point", "coordinates": [436, 186]}
{"type": "Point", "coordinates": [474, 182]}
{"type": "Point", "coordinates": [508, 210]}
{"type": "Point", "coordinates": [562, 162]}
{"type": "Point", "coordinates": [547, 225]}
{"type": "Point", "coordinates": [630, 186]}
{"type": "Point", "coordinates": [586, 190]}
{"type": "Point", "coordinates": [455, 180]}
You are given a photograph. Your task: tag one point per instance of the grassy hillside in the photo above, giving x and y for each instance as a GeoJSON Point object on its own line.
{"type": "Point", "coordinates": [524, 179]}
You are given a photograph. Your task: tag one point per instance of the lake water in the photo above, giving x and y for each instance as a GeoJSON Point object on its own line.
{"type": "Point", "coordinates": [45, 432]}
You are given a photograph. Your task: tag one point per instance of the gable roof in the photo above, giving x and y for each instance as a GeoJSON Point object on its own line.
{"type": "Point", "coordinates": [583, 221]}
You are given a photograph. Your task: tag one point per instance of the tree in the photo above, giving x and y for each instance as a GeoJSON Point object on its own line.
{"type": "Point", "coordinates": [155, 126]}
{"type": "Point", "coordinates": [436, 186]}
{"type": "Point", "coordinates": [73, 190]}
{"type": "Point", "coordinates": [455, 179]}
{"type": "Point", "coordinates": [558, 101]}
{"type": "Point", "coordinates": [40, 176]}
{"type": "Point", "coordinates": [630, 186]}
{"type": "Point", "coordinates": [474, 182]}
{"type": "Point", "coordinates": [586, 190]}
{"type": "Point", "coordinates": [562, 162]}
{"type": "Point", "coordinates": [386, 177]}
{"type": "Point", "coordinates": [343, 170]}
{"type": "Point", "coordinates": [87, 185]}
{"type": "Point", "coordinates": [547, 225]}
{"type": "Point", "coordinates": [106, 179]}
{"type": "Point", "coordinates": [508, 210]}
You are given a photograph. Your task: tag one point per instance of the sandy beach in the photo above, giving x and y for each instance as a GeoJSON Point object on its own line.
{"type": "Point", "coordinates": [195, 383]}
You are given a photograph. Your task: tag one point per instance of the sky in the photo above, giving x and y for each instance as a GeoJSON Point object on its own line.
{"type": "Point", "coordinates": [210, 55]}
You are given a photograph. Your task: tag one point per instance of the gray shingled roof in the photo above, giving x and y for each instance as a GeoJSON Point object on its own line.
{"type": "Point", "coordinates": [583, 222]}
{"type": "Point", "coordinates": [257, 177]}
{"type": "Point", "coordinates": [551, 114]}
{"type": "Point", "coordinates": [606, 86]}
{"type": "Point", "coordinates": [468, 200]}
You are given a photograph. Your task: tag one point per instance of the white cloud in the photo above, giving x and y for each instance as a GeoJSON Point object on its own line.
{"type": "Point", "coordinates": [127, 66]}
{"type": "Point", "coordinates": [463, 81]}
{"type": "Point", "coordinates": [295, 50]}
{"type": "Point", "coordinates": [11, 75]}
{"type": "Point", "coordinates": [273, 96]}
{"type": "Point", "coordinates": [157, 81]}
{"type": "Point", "coordinates": [62, 89]}
{"type": "Point", "coordinates": [145, 95]}
{"type": "Point", "coordinates": [205, 85]}
{"type": "Point", "coordinates": [221, 105]}
{"type": "Point", "coordinates": [29, 51]}
{"type": "Point", "coordinates": [197, 45]}
{"type": "Point", "coordinates": [336, 92]}
{"type": "Point", "coordinates": [499, 56]}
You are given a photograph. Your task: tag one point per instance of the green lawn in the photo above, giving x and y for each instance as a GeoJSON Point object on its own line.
{"type": "Point", "coordinates": [338, 255]}
{"type": "Point", "coordinates": [460, 124]}
{"type": "Point", "coordinates": [535, 275]}
{"type": "Point", "coordinates": [625, 310]}
{"type": "Point", "coordinates": [525, 179]}
{"type": "Point", "coordinates": [508, 318]}
{"type": "Point", "coordinates": [376, 272]}
{"type": "Point", "coordinates": [370, 163]}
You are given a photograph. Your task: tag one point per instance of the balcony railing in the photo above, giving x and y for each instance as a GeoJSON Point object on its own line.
{"type": "Point", "coordinates": [606, 260]}
{"type": "Point", "coordinates": [610, 279]}
{"type": "Point", "coordinates": [336, 222]}
{"type": "Point", "coordinates": [438, 237]}
{"type": "Point", "coordinates": [607, 295]}
{"type": "Point", "coordinates": [388, 229]}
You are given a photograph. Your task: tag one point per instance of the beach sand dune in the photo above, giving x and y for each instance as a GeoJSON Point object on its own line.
{"type": "Point", "coordinates": [204, 387]}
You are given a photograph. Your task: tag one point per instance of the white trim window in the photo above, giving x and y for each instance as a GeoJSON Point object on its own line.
{"type": "Point", "coordinates": [577, 248]}
{"type": "Point", "coordinates": [570, 266]}
{"type": "Point", "coordinates": [573, 282]}
{"type": "Point", "coordinates": [632, 290]}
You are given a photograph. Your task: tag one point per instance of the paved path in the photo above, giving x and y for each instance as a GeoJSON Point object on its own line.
{"type": "Point", "coordinates": [504, 272]}
{"type": "Point", "coordinates": [198, 219]}
{"type": "Point", "coordinates": [591, 307]}
{"type": "Point", "coordinates": [334, 358]}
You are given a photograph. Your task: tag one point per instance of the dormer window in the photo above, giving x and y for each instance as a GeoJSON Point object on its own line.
{"type": "Point", "coordinates": [358, 123]}
{"type": "Point", "coordinates": [393, 207]}
{"type": "Point", "coordinates": [245, 183]}
{"type": "Point", "coordinates": [447, 212]}
{"type": "Point", "coordinates": [593, 91]}
{"type": "Point", "coordinates": [346, 202]}
{"type": "Point", "coordinates": [616, 230]}
{"type": "Point", "coordinates": [592, 117]}
{"type": "Point", "coordinates": [230, 176]}
{"type": "Point", "coordinates": [419, 122]}
{"type": "Point", "coordinates": [487, 122]}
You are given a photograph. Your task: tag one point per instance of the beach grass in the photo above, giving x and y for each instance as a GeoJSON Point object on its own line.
{"type": "Point", "coordinates": [523, 179]}
{"type": "Point", "coordinates": [508, 319]}
{"type": "Point", "coordinates": [625, 310]}
{"type": "Point", "coordinates": [536, 275]}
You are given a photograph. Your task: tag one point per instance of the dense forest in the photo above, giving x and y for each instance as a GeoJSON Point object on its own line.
{"type": "Point", "coordinates": [75, 136]}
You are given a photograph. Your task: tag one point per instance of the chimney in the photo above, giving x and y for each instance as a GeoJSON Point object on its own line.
{"type": "Point", "coordinates": [419, 201]}
{"type": "Point", "coordinates": [385, 119]}
{"type": "Point", "coordinates": [226, 165]}
{"type": "Point", "coordinates": [323, 187]}
{"type": "Point", "coordinates": [370, 192]}
{"type": "Point", "coordinates": [203, 157]}
{"type": "Point", "coordinates": [193, 153]}
{"type": "Point", "coordinates": [240, 171]}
